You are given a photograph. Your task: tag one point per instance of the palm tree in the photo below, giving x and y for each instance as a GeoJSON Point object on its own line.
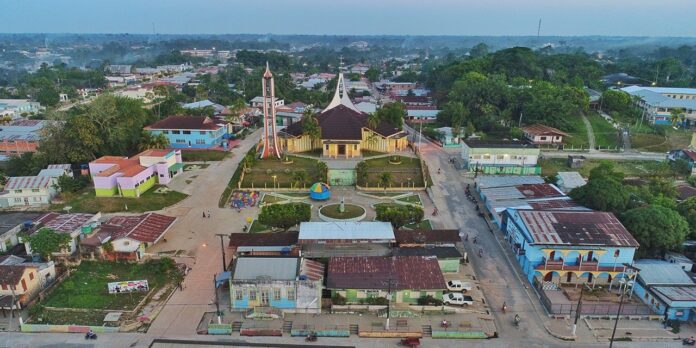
{"type": "Point", "coordinates": [373, 121]}
{"type": "Point", "coordinates": [384, 179]}
{"type": "Point", "coordinates": [676, 116]}
{"type": "Point", "coordinates": [149, 141]}
{"type": "Point", "coordinates": [310, 127]}
{"type": "Point", "coordinates": [299, 177]}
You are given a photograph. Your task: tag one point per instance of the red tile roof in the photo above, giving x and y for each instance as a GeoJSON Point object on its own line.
{"type": "Point", "coordinates": [690, 153]}
{"type": "Point", "coordinates": [147, 228]}
{"type": "Point", "coordinates": [185, 122]}
{"type": "Point", "coordinates": [314, 270]}
{"type": "Point", "coordinates": [406, 272]}
{"type": "Point", "coordinates": [540, 129]}
{"type": "Point", "coordinates": [554, 204]}
{"type": "Point", "coordinates": [28, 182]}
{"type": "Point", "coordinates": [11, 274]}
{"type": "Point", "coordinates": [65, 223]}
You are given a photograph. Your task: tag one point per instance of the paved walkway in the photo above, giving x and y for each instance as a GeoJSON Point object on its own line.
{"type": "Point", "coordinates": [196, 235]}
{"type": "Point", "coordinates": [590, 134]}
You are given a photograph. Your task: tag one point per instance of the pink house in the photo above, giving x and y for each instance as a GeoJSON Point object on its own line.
{"type": "Point", "coordinates": [131, 177]}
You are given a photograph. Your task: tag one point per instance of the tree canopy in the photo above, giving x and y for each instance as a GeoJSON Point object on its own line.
{"type": "Point", "coordinates": [47, 241]}
{"type": "Point", "coordinates": [399, 215]}
{"type": "Point", "coordinates": [656, 228]}
{"type": "Point", "coordinates": [284, 215]}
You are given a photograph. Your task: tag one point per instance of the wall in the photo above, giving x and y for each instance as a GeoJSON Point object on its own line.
{"type": "Point", "coordinates": [44, 196]}
{"type": "Point", "coordinates": [247, 302]}
{"type": "Point", "coordinates": [142, 188]}
{"type": "Point", "coordinates": [67, 328]}
{"type": "Point", "coordinates": [402, 296]}
{"type": "Point", "coordinates": [195, 140]}
{"type": "Point", "coordinates": [449, 265]}
{"type": "Point", "coordinates": [499, 156]}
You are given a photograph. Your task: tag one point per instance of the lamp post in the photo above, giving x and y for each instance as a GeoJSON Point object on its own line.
{"type": "Point", "coordinates": [274, 180]}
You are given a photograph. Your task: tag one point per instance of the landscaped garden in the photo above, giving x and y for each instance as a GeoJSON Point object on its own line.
{"type": "Point", "coordinates": [203, 155]}
{"type": "Point", "coordinates": [288, 172]}
{"type": "Point", "coordinates": [391, 171]}
{"type": "Point", "coordinates": [84, 201]}
{"type": "Point", "coordinates": [348, 212]}
{"type": "Point", "coordinates": [87, 285]}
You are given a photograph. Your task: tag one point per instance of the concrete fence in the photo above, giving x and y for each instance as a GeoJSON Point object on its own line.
{"type": "Point", "coordinates": [67, 328]}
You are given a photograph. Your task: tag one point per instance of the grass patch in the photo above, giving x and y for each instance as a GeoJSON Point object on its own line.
{"type": "Point", "coordinates": [385, 194]}
{"type": "Point", "coordinates": [203, 155]}
{"type": "Point", "coordinates": [87, 286]}
{"type": "Point", "coordinates": [413, 199]}
{"type": "Point", "coordinates": [630, 168]}
{"type": "Point", "coordinates": [313, 153]}
{"type": "Point", "coordinates": [409, 168]}
{"type": "Point", "coordinates": [659, 138]}
{"type": "Point", "coordinates": [271, 199]}
{"type": "Point", "coordinates": [69, 318]}
{"type": "Point", "coordinates": [604, 132]}
{"type": "Point", "coordinates": [578, 137]}
{"type": "Point", "coordinates": [370, 153]}
{"type": "Point", "coordinates": [86, 202]}
{"type": "Point", "coordinates": [423, 225]}
{"type": "Point", "coordinates": [257, 227]}
{"type": "Point", "coordinates": [196, 166]}
{"type": "Point", "coordinates": [351, 211]}
{"type": "Point", "coordinates": [296, 194]}
{"type": "Point", "coordinates": [261, 174]}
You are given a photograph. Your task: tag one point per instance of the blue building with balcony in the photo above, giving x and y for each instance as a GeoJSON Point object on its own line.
{"type": "Point", "coordinates": [568, 247]}
{"type": "Point", "coordinates": [667, 289]}
{"type": "Point", "coordinates": [276, 282]}
{"type": "Point", "coordinates": [190, 132]}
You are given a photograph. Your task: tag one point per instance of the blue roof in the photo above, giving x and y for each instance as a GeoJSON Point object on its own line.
{"type": "Point", "coordinates": [660, 272]}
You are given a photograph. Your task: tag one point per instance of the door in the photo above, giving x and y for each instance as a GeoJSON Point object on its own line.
{"type": "Point", "coordinates": [264, 297]}
{"type": "Point", "coordinates": [342, 150]}
{"type": "Point", "coordinates": [26, 200]}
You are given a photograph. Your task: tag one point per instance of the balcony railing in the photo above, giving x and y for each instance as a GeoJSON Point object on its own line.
{"type": "Point", "coordinates": [558, 265]}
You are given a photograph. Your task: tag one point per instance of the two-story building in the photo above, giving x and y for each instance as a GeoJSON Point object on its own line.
{"type": "Point", "coordinates": [658, 103]}
{"type": "Point", "coordinates": [19, 281]}
{"type": "Point", "coordinates": [501, 157]}
{"type": "Point", "coordinates": [16, 108]}
{"type": "Point", "coordinates": [28, 191]}
{"type": "Point", "coordinates": [555, 247]}
{"type": "Point", "coordinates": [131, 177]}
{"type": "Point", "coordinates": [286, 283]}
{"type": "Point", "coordinates": [195, 132]}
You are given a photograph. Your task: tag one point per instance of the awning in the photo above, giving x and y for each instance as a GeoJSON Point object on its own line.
{"type": "Point", "coordinates": [176, 167]}
{"type": "Point", "coordinates": [222, 278]}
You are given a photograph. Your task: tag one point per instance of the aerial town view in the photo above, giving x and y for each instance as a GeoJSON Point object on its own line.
{"type": "Point", "coordinates": [367, 174]}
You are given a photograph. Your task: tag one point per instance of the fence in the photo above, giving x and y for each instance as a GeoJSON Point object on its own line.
{"type": "Point", "coordinates": [603, 308]}
{"type": "Point", "coordinates": [67, 328]}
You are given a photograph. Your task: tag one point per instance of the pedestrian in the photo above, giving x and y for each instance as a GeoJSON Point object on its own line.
{"type": "Point", "coordinates": [204, 215]}
{"type": "Point", "coordinates": [475, 239]}
{"type": "Point", "coordinates": [208, 214]}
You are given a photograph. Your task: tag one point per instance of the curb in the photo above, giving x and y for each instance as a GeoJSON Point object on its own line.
{"type": "Point", "coordinates": [561, 337]}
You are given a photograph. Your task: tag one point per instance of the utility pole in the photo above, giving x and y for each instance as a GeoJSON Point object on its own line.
{"type": "Point", "coordinates": [222, 247]}
{"type": "Point", "coordinates": [519, 125]}
{"type": "Point", "coordinates": [618, 314]}
{"type": "Point", "coordinates": [578, 309]}
{"type": "Point", "coordinates": [12, 287]}
{"type": "Point", "coordinates": [217, 300]}
{"type": "Point", "coordinates": [539, 29]}
{"type": "Point", "coordinates": [389, 296]}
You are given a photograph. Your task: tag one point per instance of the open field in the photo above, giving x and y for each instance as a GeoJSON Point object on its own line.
{"type": "Point", "coordinates": [630, 168]}
{"type": "Point", "coordinates": [86, 202]}
{"type": "Point", "coordinates": [578, 137]}
{"type": "Point", "coordinates": [263, 172]}
{"type": "Point", "coordinates": [408, 172]}
{"type": "Point", "coordinates": [650, 139]}
{"type": "Point", "coordinates": [605, 134]}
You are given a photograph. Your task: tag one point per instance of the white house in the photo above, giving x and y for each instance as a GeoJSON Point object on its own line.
{"type": "Point", "coordinates": [684, 262]}
{"type": "Point", "coordinates": [257, 102]}
{"type": "Point", "coordinates": [73, 224]}
{"type": "Point", "coordinates": [28, 190]}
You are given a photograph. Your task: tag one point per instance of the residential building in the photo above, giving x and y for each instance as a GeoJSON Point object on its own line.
{"type": "Point", "coordinates": [264, 244]}
{"type": "Point", "coordinates": [659, 102]}
{"type": "Point", "coordinates": [129, 236]}
{"type": "Point", "coordinates": [688, 155]}
{"type": "Point", "coordinates": [257, 102]}
{"type": "Point", "coordinates": [666, 289]}
{"type": "Point", "coordinates": [16, 108]}
{"type": "Point", "coordinates": [56, 170]}
{"type": "Point", "coordinates": [676, 258]}
{"type": "Point", "coordinates": [193, 132]}
{"type": "Point", "coordinates": [540, 134]}
{"type": "Point", "coordinates": [204, 104]}
{"type": "Point", "coordinates": [131, 177]}
{"type": "Point", "coordinates": [555, 247]}
{"type": "Point", "coordinates": [360, 279]}
{"type": "Point", "coordinates": [71, 224]}
{"type": "Point", "coordinates": [20, 136]}
{"type": "Point", "coordinates": [366, 107]}
{"type": "Point", "coordinates": [501, 157]}
{"type": "Point", "coordinates": [19, 281]}
{"type": "Point", "coordinates": [498, 199]}
{"type": "Point", "coordinates": [488, 181]}
{"type": "Point", "coordinates": [396, 87]}
{"type": "Point", "coordinates": [421, 115]}
{"type": "Point", "coordinates": [119, 69]}
{"type": "Point", "coordinates": [286, 283]}
{"type": "Point", "coordinates": [46, 271]}
{"type": "Point", "coordinates": [28, 191]}
{"type": "Point", "coordinates": [12, 224]}
{"type": "Point", "coordinates": [567, 181]}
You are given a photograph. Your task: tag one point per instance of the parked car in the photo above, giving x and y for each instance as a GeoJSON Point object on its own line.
{"type": "Point", "coordinates": [458, 285]}
{"type": "Point", "coordinates": [456, 298]}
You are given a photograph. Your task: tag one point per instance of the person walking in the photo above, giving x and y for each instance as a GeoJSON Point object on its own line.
{"type": "Point", "coordinates": [204, 215]}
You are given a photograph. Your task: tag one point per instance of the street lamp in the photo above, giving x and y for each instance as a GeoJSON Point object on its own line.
{"type": "Point", "coordinates": [274, 180]}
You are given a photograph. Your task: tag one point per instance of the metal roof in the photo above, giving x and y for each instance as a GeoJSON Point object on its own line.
{"type": "Point", "coordinates": [439, 252]}
{"type": "Point", "coordinates": [660, 272]}
{"type": "Point", "coordinates": [346, 230]}
{"type": "Point", "coordinates": [275, 268]}
{"type": "Point", "coordinates": [661, 90]}
{"type": "Point", "coordinates": [659, 100]}
{"type": "Point", "coordinates": [487, 181]}
{"type": "Point", "coordinates": [52, 173]}
{"type": "Point", "coordinates": [65, 223]}
{"type": "Point", "coordinates": [571, 180]}
{"type": "Point", "coordinates": [9, 221]}
{"type": "Point", "coordinates": [524, 191]}
{"type": "Point", "coordinates": [28, 182]}
{"type": "Point", "coordinates": [405, 272]}
{"type": "Point", "coordinates": [676, 293]}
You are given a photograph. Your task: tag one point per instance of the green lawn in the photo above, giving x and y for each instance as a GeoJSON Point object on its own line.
{"type": "Point", "coordinates": [605, 134]}
{"type": "Point", "coordinates": [409, 168]}
{"type": "Point", "coordinates": [351, 211]}
{"type": "Point", "coordinates": [203, 155]}
{"type": "Point", "coordinates": [257, 227]}
{"type": "Point", "coordinates": [93, 318]}
{"type": "Point", "coordinates": [414, 199]}
{"type": "Point", "coordinates": [87, 286]}
{"type": "Point", "coordinates": [86, 202]}
{"type": "Point", "coordinates": [423, 225]}
{"type": "Point", "coordinates": [631, 168]}
{"type": "Point", "coordinates": [578, 137]}
{"type": "Point", "coordinates": [262, 173]}
{"type": "Point", "coordinates": [271, 199]}
{"type": "Point", "coordinates": [646, 138]}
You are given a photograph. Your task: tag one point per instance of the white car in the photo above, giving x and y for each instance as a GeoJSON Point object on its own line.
{"type": "Point", "coordinates": [456, 298]}
{"type": "Point", "coordinates": [458, 285]}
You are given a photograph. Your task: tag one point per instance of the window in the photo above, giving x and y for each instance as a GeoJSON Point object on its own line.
{"type": "Point", "coordinates": [617, 252]}
{"type": "Point", "coordinates": [291, 294]}
{"type": "Point", "coordinates": [326, 147]}
{"type": "Point", "coordinates": [17, 191]}
{"type": "Point", "coordinates": [200, 142]}
{"type": "Point", "coordinates": [487, 157]}
{"type": "Point", "coordinates": [372, 293]}
{"type": "Point", "coordinates": [176, 132]}
{"type": "Point", "coordinates": [180, 141]}
{"type": "Point", "coordinates": [252, 295]}
{"type": "Point", "coordinates": [165, 132]}
{"type": "Point", "coordinates": [202, 132]}
{"type": "Point", "coordinates": [276, 294]}
{"type": "Point", "coordinates": [542, 138]}
{"type": "Point", "coordinates": [239, 295]}
{"type": "Point", "coordinates": [501, 157]}
{"type": "Point", "coordinates": [476, 157]}
{"type": "Point", "coordinates": [35, 190]}
{"type": "Point", "coordinates": [18, 200]}
{"type": "Point", "coordinates": [37, 199]}
{"type": "Point", "coordinates": [187, 132]}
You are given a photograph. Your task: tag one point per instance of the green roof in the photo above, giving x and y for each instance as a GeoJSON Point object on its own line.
{"type": "Point", "coordinates": [175, 167]}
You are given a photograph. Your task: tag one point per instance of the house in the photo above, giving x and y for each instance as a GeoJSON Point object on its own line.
{"type": "Point", "coordinates": [360, 279]}
{"type": "Point", "coordinates": [447, 137]}
{"type": "Point", "coordinates": [16, 108]}
{"type": "Point", "coordinates": [119, 69]}
{"type": "Point", "coordinates": [264, 244]}
{"type": "Point", "coordinates": [426, 238]}
{"type": "Point", "coordinates": [19, 281]}
{"type": "Point", "coordinates": [131, 177]}
{"type": "Point", "coordinates": [345, 131]}
{"type": "Point", "coordinates": [46, 271]}
{"type": "Point", "coordinates": [10, 225]}
{"type": "Point", "coordinates": [688, 155]}
{"type": "Point", "coordinates": [448, 257]}
{"type": "Point", "coordinates": [685, 191]}
{"type": "Point", "coordinates": [501, 157]}
{"type": "Point", "coordinates": [56, 170]}
{"type": "Point", "coordinates": [190, 132]}
{"type": "Point", "coordinates": [28, 191]}
{"type": "Point", "coordinates": [421, 115]}
{"type": "Point", "coordinates": [366, 107]}
{"type": "Point", "coordinates": [684, 262]}
{"type": "Point", "coordinates": [489, 181]}
{"type": "Point", "coordinates": [204, 104]}
{"type": "Point", "coordinates": [130, 236]}
{"type": "Point", "coordinates": [286, 283]}
{"type": "Point", "coordinates": [658, 103]}
{"type": "Point", "coordinates": [257, 102]}
{"type": "Point", "coordinates": [71, 224]}
{"type": "Point", "coordinates": [498, 199]}
{"type": "Point", "coordinates": [666, 289]}
{"type": "Point", "coordinates": [567, 181]}
{"type": "Point", "coordinates": [20, 136]}
{"type": "Point", "coordinates": [555, 247]}
{"type": "Point", "coordinates": [540, 134]}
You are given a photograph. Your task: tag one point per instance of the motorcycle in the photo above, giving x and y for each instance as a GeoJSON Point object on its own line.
{"type": "Point", "coordinates": [312, 337]}
{"type": "Point", "coordinates": [516, 321]}
{"type": "Point", "coordinates": [690, 341]}
{"type": "Point", "coordinates": [90, 336]}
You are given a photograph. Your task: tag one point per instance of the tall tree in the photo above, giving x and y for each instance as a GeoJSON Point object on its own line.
{"type": "Point", "coordinates": [47, 241]}
{"type": "Point", "coordinates": [658, 229]}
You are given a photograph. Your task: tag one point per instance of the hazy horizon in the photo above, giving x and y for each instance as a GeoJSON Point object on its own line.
{"type": "Point", "coordinates": [629, 18]}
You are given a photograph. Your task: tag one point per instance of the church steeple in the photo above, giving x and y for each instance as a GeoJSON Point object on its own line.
{"type": "Point", "coordinates": [341, 95]}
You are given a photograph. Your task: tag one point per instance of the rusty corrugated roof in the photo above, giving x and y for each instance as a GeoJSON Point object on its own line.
{"type": "Point", "coordinates": [576, 228]}
{"type": "Point", "coordinates": [406, 272]}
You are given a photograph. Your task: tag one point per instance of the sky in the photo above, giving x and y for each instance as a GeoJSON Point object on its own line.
{"type": "Point", "coordinates": [353, 17]}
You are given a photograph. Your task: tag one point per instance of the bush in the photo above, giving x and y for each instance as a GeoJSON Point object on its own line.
{"type": "Point", "coordinates": [338, 300]}
{"type": "Point", "coordinates": [429, 301]}
{"type": "Point", "coordinates": [284, 215]}
{"type": "Point", "coordinates": [692, 180]}
{"type": "Point", "coordinates": [375, 301]}
{"type": "Point", "coordinates": [399, 215]}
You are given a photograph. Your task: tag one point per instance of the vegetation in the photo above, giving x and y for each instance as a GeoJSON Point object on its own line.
{"type": "Point", "coordinates": [658, 229]}
{"type": "Point", "coordinates": [261, 173]}
{"type": "Point", "coordinates": [285, 215]}
{"type": "Point", "coordinates": [605, 134]}
{"type": "Point", "coordinates": [69, 184]}
{"type": "Point", "coordinates": [203, 155]}
{"type": "Point", "coordinates": [687, 209]}
{"type": "Point", "coordinates": [86, 202]}
{"type": "Point", "coordinates": [87, 286]}
{"type": "Point", "coordinates": [47, 241]}
{"type": "Point", "coordinates": [407, 173]}
{"type": "Point", "coordinates": [398, 215]}
{"type": "Point", "coordinates": [350, 211]}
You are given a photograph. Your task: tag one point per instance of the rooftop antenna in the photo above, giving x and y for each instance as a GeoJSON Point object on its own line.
{"type": "Point", "coordinates": [539, 29]}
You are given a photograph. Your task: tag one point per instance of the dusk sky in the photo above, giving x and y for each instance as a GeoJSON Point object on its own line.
{"type": "Point", "coordinates": [372, 17]}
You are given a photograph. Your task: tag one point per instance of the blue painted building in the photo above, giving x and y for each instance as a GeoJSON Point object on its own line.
{"type": "Point", "coordinates": [666, 288]}
{"type": "Point", "coordinates": [556, 247]}
{"type": "Point", "coordinates": [276, 282]}
{"type": "Point", "coordinates": [190, 132]}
